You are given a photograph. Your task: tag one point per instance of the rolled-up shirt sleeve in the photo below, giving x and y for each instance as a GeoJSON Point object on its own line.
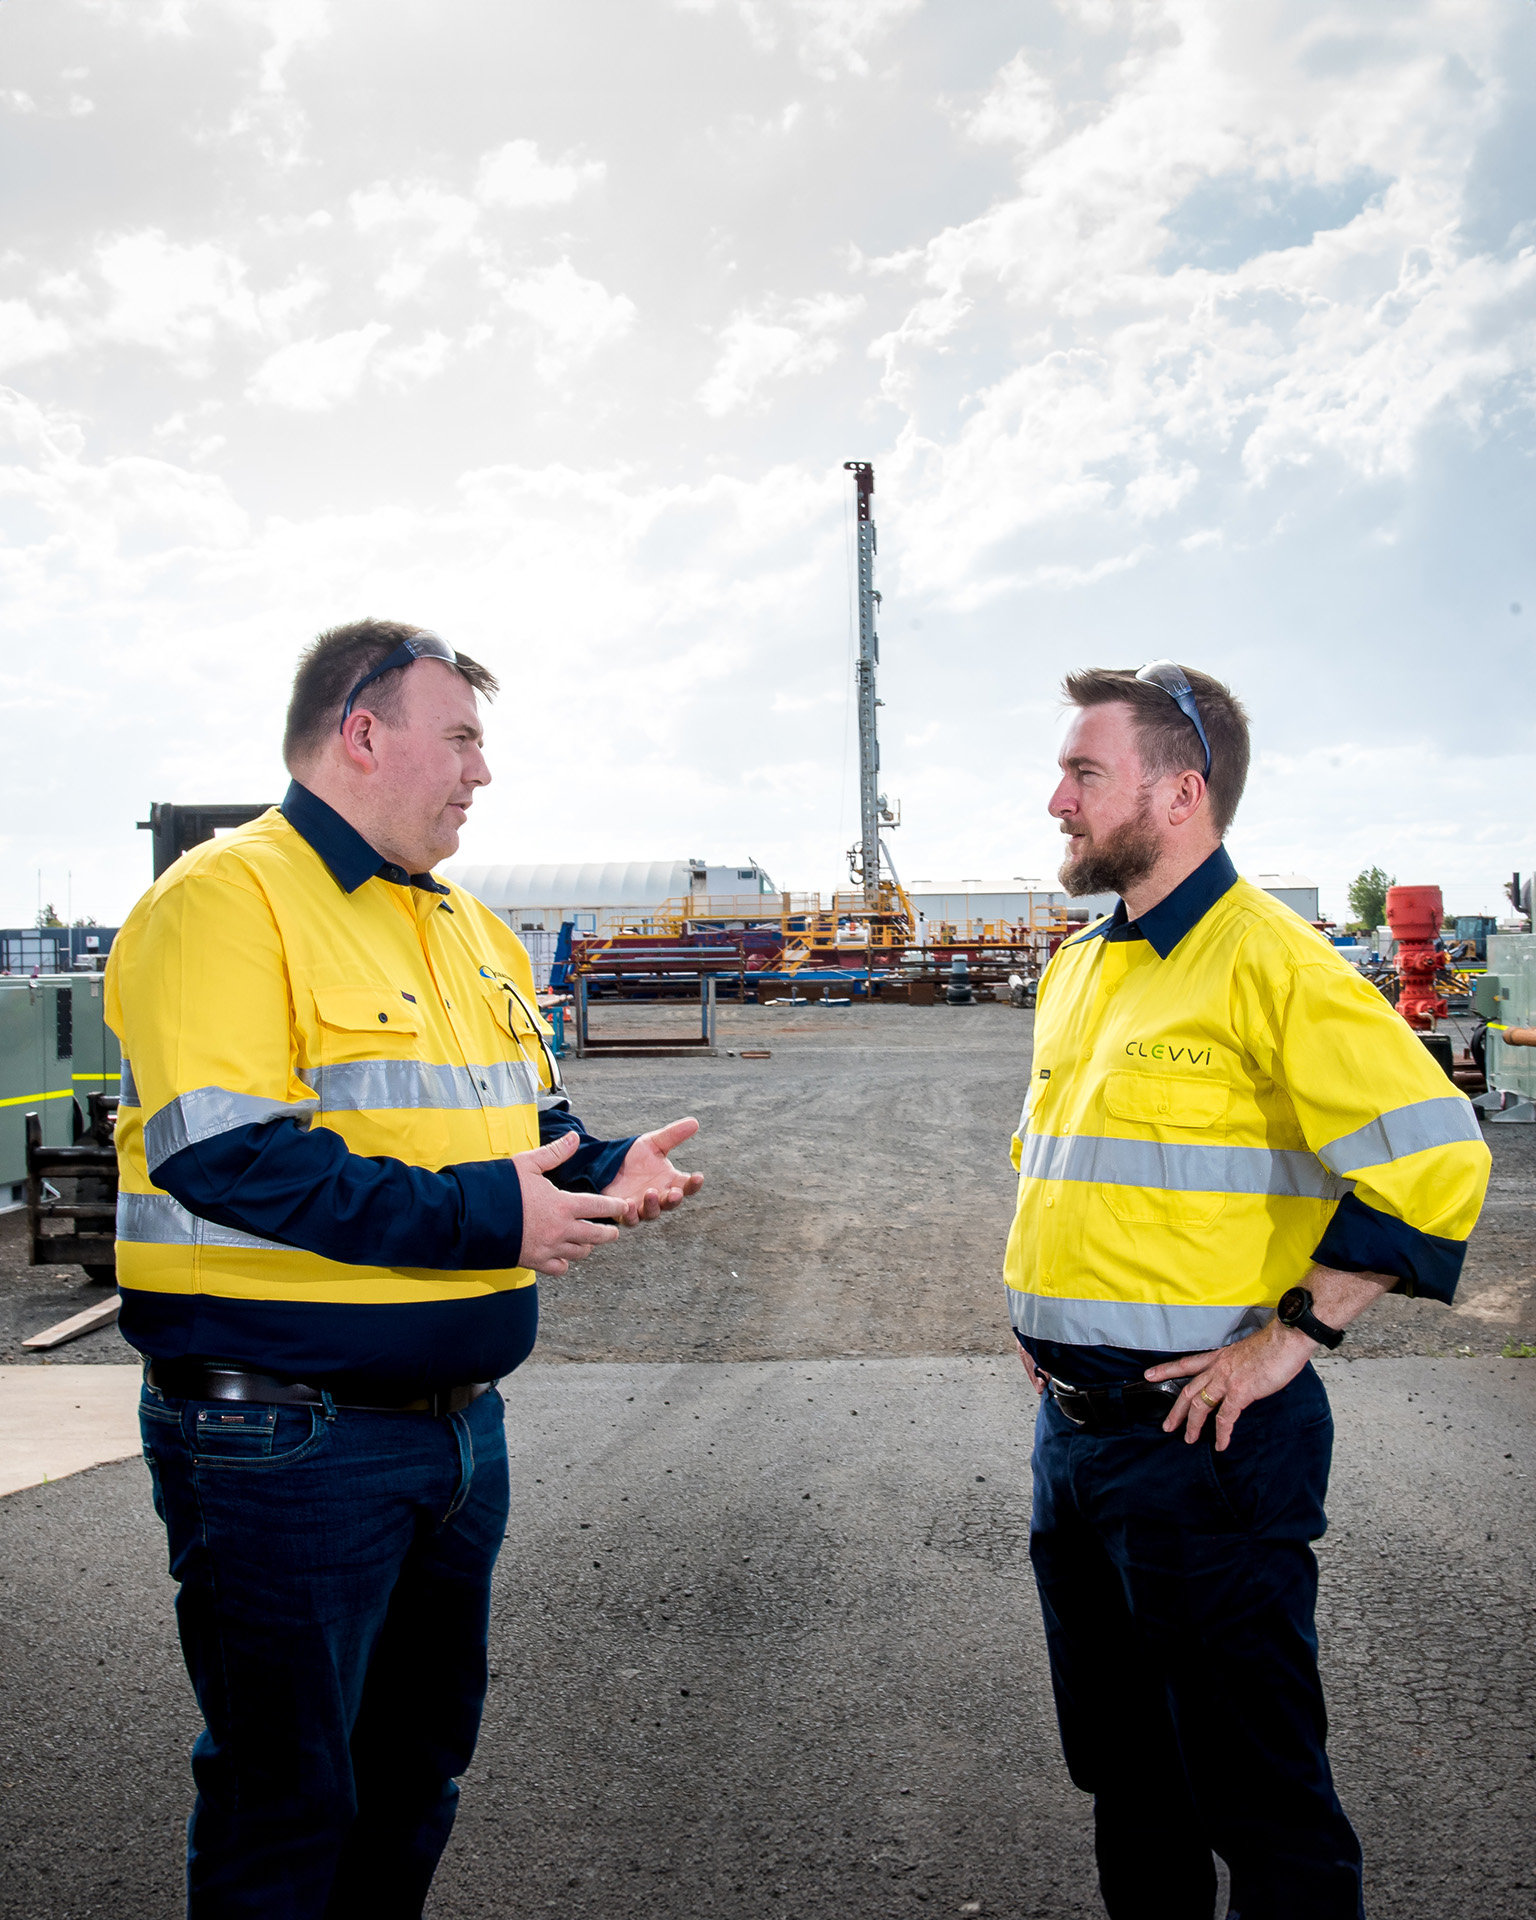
{"type": "Point", "coordinates": [1403, 1143]}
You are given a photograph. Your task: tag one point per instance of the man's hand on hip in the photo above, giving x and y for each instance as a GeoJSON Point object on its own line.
{"type": "Point", "coordinates": [1232, 1378]}
{"type": "Point", "coordinates": [1036, 1377]}
{"type": "Point", "coordinates": [648, 1181]}
{"type": "Point", "coordinates": [561, 1227]}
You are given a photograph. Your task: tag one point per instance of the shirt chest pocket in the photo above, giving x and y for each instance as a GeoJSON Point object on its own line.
{"type": "Point", "coordinates": [356, 1023]}
{"type": "Point", "coordinates": [515, 1044]}
{"type": "Point", "coordinates": [374, 1087]}
{"type": "Point", "coordinates": [1166, 1163]}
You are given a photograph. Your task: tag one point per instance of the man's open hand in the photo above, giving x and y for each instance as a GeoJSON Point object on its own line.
{"type": "Point", "coordinates": [561, 1227]}
{"type": "Point", "coordinates": [648, 1181]}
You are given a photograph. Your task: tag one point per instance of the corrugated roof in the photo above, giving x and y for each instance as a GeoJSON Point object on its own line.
{"type": "Point", "coordinates": [584, 884]}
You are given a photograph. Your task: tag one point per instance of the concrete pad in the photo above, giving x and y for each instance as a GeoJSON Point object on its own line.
{"type": "Point", "coordinates": [765, 1641]}
{"type": "Point", "coordinates": [60, 1419]}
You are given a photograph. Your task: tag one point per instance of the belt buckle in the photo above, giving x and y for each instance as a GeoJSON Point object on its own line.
{"type": "Point", "coordinates": [1062, 1394]}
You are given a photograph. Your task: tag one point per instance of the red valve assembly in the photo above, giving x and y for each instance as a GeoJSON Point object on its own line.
{"type": "Point", "coordinates": [1415, 914]}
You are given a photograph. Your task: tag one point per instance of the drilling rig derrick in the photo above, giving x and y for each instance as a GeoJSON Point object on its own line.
{"type": "Point", "coordinates": [864, 859]}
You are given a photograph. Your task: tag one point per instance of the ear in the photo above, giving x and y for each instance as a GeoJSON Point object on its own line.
{"type": "Point", "coordinates": [1184, 800]}
{"type": "Point", "coordinates": [357, 740]}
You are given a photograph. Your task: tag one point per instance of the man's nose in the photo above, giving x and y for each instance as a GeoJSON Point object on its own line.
{"type": "Point", "coordinates": [476, 772]}
{"type": "Point", "coordinates": [1061, 802]}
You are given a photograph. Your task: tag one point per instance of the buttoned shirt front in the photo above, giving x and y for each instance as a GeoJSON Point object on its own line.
{"type": "Point", "coordinates": [329, 1066]}
{"type": "Point", "coordinates": [1217, 1100]}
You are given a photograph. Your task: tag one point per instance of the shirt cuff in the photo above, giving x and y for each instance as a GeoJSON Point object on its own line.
{"type": "Point", "coordinates": [1361, 1240]}
{"type": "Point", "coordinates": [594, 1165]}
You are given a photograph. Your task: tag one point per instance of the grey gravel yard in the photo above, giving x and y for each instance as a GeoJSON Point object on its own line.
{"type": "Point", "coordinates": [765, 1639]}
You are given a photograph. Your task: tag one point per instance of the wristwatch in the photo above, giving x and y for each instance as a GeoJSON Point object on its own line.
{"type": "Point", "coordinates": [1295, 1310]}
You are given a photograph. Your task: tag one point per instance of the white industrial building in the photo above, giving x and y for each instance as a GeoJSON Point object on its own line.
{"type": "Point", "coordinates": [953, 902]}
{"type": "Point", "coordinates": [603, 896]}
{"type": "Point", "coordinates": [1293, 890]}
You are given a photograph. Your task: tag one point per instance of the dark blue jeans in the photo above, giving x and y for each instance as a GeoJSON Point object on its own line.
{"type": "Point", "coordinates": [1178, 1586]}
{"type": "Point", "coordinates": [335, 1575]}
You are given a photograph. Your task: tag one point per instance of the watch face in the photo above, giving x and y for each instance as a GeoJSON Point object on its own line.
{"type": "Point", "coordinates": [1293, 1305]}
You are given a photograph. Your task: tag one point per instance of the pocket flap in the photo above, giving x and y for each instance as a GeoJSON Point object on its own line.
{"type": "Point", "coordinates": [1168, 1099]}
{"type": "Point", "coordinates": [366, 1010]}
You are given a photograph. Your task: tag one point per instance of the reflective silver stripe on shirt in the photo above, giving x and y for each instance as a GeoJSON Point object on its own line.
{"type": "Point", "coordinates": [127, 1092]}
{"type": "Point", "coordinates": [1179, 1167]}
{"type": "Point", "coordinates": [155, 1219]}
{"type": "Point", "coordinates": [1132, 1323]}
{"type": "Point", "coordinates": [207, 1112]}
{"type": "Point", "coordinates": [1405, 1130]}
{"type": "Point", "coordinates": [377, 1086]}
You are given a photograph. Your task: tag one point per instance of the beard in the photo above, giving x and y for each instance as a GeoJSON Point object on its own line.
{"type": "Point", "coordinates": [1118, 861]}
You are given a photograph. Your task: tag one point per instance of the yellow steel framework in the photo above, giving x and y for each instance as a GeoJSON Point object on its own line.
{"type": "Point", "coordinates": [847, 932]}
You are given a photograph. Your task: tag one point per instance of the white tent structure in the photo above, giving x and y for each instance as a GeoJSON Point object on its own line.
{"type": "Point", "coordinates": [600, 896]}
{"type": "Point", "coordinates": [572, 890]}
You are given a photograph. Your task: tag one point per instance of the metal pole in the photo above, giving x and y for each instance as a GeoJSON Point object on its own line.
{"type": "Point", "coordinates": [869, 658]}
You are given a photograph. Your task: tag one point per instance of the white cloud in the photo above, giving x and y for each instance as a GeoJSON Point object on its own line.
{"type": "Point", "coordinates": [515, 176]}
{"type": "Point", "coordinates": [433, 223]}
{"type": "Point", "coordinates": [1233, 266]}
{"type": "Point", "coordinates": [292, 24]}
{"type": "Point", "coordinates": [1202, 329]}
{"type": "Point", "coordinates": [117, 524]}
{"type": "Point", "coordinates": [409, 366]}
{"type": "Point", "coordinates": [1019, 110]}
{"type": "Point", "coordinates": [830, 36]}
{"type": "Point", "coordinates": [313, 376]}
{"type": "Point", "coordinates": [173, 296]}
{"type": "Point", "coordinates": [755, 349]}
{"type": "Point", "coordinates": [26, 335]}
{"type": "Point", "coordinates": [574, 316]}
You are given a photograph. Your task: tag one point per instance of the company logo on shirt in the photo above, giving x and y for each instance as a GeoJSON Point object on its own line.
{"type": "Point", "coordinates": [1166, 1050]}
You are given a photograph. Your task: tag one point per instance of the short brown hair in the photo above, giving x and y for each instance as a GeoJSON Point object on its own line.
{"type": "Point", "coordinates": [331, 666]}
{"type": "Point", "coordinates": [1165, 735]}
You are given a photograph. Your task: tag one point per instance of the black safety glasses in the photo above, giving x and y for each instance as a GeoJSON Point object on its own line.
{"type": "Point", "coordinates": [426, 646]}
{"type": "Point", "coordinates": [1173, 680]}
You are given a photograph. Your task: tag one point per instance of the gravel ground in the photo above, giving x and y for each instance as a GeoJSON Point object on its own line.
{"type": "Point", "coordinates": [857, 1201]}
{"type": "Point", "coordinates": [766, 1642]}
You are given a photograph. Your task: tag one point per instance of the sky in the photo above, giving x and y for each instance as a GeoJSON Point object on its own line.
{"type": "Point", "coordinates": [1171, 327]}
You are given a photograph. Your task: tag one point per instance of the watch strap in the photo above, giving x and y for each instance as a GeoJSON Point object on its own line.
{"type": "Point", "coordinates": [1307, 1322]}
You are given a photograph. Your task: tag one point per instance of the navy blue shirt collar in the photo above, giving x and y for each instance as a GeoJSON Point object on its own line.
{"type": "Point", "coordinates": [1166, 924]}
{"type": "Point", "coordinates": [342, 848]}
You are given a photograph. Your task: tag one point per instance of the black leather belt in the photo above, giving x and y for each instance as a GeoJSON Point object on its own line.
{"type": "Point", "coordinates": [207, 1380]}
{"type": "Point", "coordinates": [1139, 1403]}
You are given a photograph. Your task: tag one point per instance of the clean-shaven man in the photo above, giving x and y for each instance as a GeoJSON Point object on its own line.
{"type": "Point", "coordinates": [345, 1153]}
{"type": "Point", "coordinates": [1231, 1146]}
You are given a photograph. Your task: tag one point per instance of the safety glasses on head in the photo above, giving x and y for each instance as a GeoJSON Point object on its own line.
{"type": "Point", "coordinates": [1172, 679]}
{"type": "Point", "coordinates": [425, 646]}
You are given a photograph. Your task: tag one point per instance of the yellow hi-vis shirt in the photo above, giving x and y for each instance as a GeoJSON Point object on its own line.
{"type": "Point", "coordinates": [249, 986]}
{"type": "Point", "coordinates": [1204, 1121]}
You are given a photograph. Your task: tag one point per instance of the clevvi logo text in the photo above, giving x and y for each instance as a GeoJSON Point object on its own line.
{"type": "Point", "coordinates": [1166, 1050]}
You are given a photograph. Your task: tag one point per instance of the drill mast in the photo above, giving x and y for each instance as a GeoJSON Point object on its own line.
{"type": "Point", "coordinates": [864, 859]}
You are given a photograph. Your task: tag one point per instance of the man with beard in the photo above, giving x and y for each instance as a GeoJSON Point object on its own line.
{"type": "Point", "coordinates": [1231, 1146]}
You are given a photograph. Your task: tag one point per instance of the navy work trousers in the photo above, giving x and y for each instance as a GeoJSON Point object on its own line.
{"type": "Point", "coordinates": [335, 1574]}
{"type": "Point", "coordinates": [1178, 1586]}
